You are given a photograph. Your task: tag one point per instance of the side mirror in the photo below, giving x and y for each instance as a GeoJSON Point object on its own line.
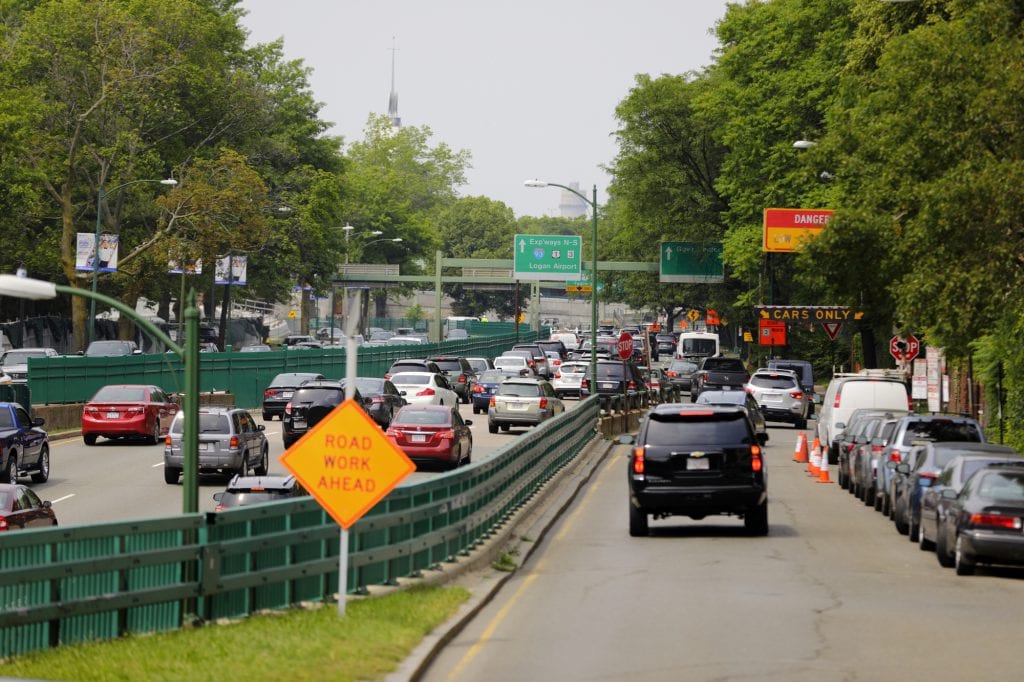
{"type": "Point", "coordinates": [469, 422]}
{"type": "Point", "coordinates": [402, 393]}
{"type": "Point", "coordinates": [217, 496]}
{"type": "Point", "coordinates": [38, 421]}
{"type": "Point", "coordinates": [840, 426]}
{"type": "Point", "coordinates": [261, 427]}
{"type": "Point", "coordinates": [903, 468]}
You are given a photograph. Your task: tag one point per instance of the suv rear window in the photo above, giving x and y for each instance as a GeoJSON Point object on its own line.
{"type": "Point", "coordinates": [408, 367]}
{"type": "Point", "coordinates": [723, 365]}
{"type": "Point", "coordinates": [318, 394]}
{"type": "Point", "coordinates": [772, 381]}
{"type": "Point", "coordinates": [672, 429]}
{"type": "Point", "coordinates": [208, 423]}
{"type": "Point", "coordinates": [937, 430]}
{"type": "Point", "coordinates": [447, 365]}
{"type": "Point", "coordinates": [519, 390]}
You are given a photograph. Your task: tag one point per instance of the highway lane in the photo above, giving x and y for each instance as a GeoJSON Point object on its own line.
{"type": "Point", "coordinates": [120, 481]}
{"type": "Point", "coordinates": [833, 593]}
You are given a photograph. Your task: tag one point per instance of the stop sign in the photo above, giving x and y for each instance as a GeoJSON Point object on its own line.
{"type": "Point", "coordinates": [625, 345]}
{"type": "Point", "coordinates": [904, 349]}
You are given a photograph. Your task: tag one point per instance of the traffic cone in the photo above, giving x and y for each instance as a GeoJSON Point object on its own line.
{"type": "Point", "coordinates": [800, 454]}
{"type": "Point", "coordinates": [816, 449]}
{"type": "Point", "coordinates": [813, 463]}
{"type": "Point", "coordinates": [823, 472]}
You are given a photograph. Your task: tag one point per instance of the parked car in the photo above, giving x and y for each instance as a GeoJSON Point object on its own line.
{"type": "Point", "coordinates": [738, 399]}
{"type": "Point", "coordinates": [915, 429]}
{"type": "Point", "coordinates": [568, 380]}
{"type": "Point", "coordinates": [867, 459]}
{"type": "Point", "coordinates": [480, 364]}
{"type": "Point", "coordinates": [522, 402]}
{"type": "Point", "coordinates": [555, 345]}
{"type": "Point", "coordinates": [112, 348]}
{"type": "Point", "coordinates": [846, 442]}
{"type": "Point", "coordinates": [486, 384]}
{"type": "Point", "coordinates": [459, 373]}
{"type": "Point", "coordinates": [780, 396]}
{"type": "Point", "coordinates": [696, 461]}
{"type": "Point", "coordinates": [984, 521]}
{"type": "Point", "coordinates": [14, 363]}
{"type": "Point", "coordinates": [952, 477]}
{"type": "Point", "coordinates": [680, 373]}
{"type": "Point", "coordinates": [21, 508]}
{"type": "Point", "coordinates": [230, 442]}
{"type": "Point", "coordinates": [24, 445]}
{"type": "Point", "coordinates": [380, 397]}
{"type": "Point", "coordinates": [256, 348]}
{"type": "Point", "coordinates": [928, 462]}
{"type": "Point", "coordinates": [281, 389]}
{"type": "Point", "coordinates": [126, 411]}
{"type": "Point", "coordinates": [243, 491]}
{"type": "Point", "coordinates": [848, 392]}
{"type": "Point", "coordinates": [311, 402]}
{"type": "Point", "coordinates": [614, 377]}
{"type": "Point", "coordinates": [433, 434]}
{"type": "Point", "coordinates": [425, 388]}
{"type": "Point", "coordinates": [294, 339]}
{"type": "Point", "coordinates": [412, 365]}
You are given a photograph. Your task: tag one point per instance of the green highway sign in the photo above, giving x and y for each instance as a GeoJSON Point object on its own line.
{"type": "Point", "coordinates": [547, 257]}
{"type": "Point", "coordinates": [691, 263]}
{"type": "Point", "coordinates": [582, 285]}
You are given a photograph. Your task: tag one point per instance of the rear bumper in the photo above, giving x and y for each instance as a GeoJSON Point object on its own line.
{"type": "Point", "coordinates": [208, 461]}
{"type": "Point", "coordinates": [126, 426]}
{"type": "Point", "coordinates": [697, 501]}
{"type": "Point", "coordinates": [997, 548]}
{"type": "Point", "coordinates": [781, 414]}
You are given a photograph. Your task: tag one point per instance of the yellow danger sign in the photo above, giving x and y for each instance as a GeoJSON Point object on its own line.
{"type": "Point", "coordinates": [347, 463]}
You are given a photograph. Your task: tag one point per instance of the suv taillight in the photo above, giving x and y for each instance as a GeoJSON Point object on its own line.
{"type": "Point", "coordinates": [167, 441]}
{"type": "Point", "coordinates": [631, 386]}
{"type": "Point", "coordinates": [288, 408]}
{"type": "Point", "coordinates": [756, 461]}
{"type": "Point", "coordinates": [796, 395]}
{"type": "Point", "coordinates": [894, 455]}
{"type": "Point", "coordinates": [233, 443]}
{"type": "Point", "coordinates": [638, 461]}
{"type": "Point", "coordinates": [836, 404]}
{"type": "Point", "coordinates": [543, 403]}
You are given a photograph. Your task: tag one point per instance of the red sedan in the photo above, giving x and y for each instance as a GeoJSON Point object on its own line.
{"type": "Point", "coordinates": [21, 508]}
{"type": "Point", "coordinates": [131, 410]}
{"type": "Point", "coordinates": [435, 434]}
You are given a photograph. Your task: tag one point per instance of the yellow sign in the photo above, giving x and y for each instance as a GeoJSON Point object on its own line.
{"type": "Point", "coordinates": [578, 289]}
{"type": "Point", "coordinates": [748, 337]}
{"type": "Point", "coordinates": [693, 315]}
{"type": "Point", "coordinates": [809, 313]}
{"type": "Point", "coordinates": [347, 463]}
{"type": "Point", "coordinates": [786, 228]}
{"type": "Point", "coordinates": [292, 315]}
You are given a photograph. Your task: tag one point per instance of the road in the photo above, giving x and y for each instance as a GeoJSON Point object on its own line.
{"type": "Point", "coordinates": [833, 593]}
{"type": "Point", "coordinates": [122, 481]}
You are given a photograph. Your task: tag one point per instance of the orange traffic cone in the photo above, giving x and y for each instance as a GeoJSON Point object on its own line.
{"type": "Point", "coordinates": [813, 463]}
{"type": "Point", "coordinates": [823, 472]}
{"type": "Point", "coordinates": [800, 454]}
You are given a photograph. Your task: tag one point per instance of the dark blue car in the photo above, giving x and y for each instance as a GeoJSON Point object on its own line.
{"type": "Point", "coordinates": [486, 384]}
{"type": "Point", "coordinates": [24, 446]}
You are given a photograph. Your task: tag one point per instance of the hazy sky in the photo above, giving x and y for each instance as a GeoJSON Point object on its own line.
{"type": "Point", "coordinates": [528, 87]}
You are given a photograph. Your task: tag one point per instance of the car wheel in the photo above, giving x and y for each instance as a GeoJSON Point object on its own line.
{"type": "Point", "coordinates": [899, 519]}
{"type": "Point", "coordinates": [869, 496]}
{"type": "Point", "coordinates": [964, 562]}
{"type": "Point", "coordinates": [913, 529]}
{"type": "Point", "coordinates": [492, 427]}
{"type": "Point", "coordinates": [637, 522]}
{"type": "Point", "coordinates": [243, 467]}
{"type": "Point", "coordinates": [44, 466]}
{"type": "Point", "coordinates": [89, 438]}
{"type": "Point", "coordinates": [264, 464]}
{"type": "Point", "coordinates": [878, 501]}
{"type": "Point", "coordinates": [946, 559]}
{"type": "Point", "coordinates": [885, 507]}
{"type": "Point", "coordinates": [171, 475]}
{"type": "Point", "coordinates": [154, 437]}
{"type": "Point", "coordinates": [267, 417]}
{"type": "Point", "coordinates": [841, 479]}
{"type": "Point", "coordinates": [801, 424]}
{"type": "Point", "coordinates": [11, 472]}
{"type": "Point", "coordinates": [506, 427]}
{"type": "Point", "coordinates": [923, 543]}
{"type": "Point", "coordinates": [756, 520]}
{"type": "Point", "coordinates": [476, 410]}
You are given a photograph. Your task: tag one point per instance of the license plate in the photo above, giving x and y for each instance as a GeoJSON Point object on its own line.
{"type": "Point", "coordinates": [607, 385]}
{"type": "Point", "coordinates": [287, 394]}
{"type": "Point", "coordinates": [299, 424]}
{"type": "Point", "coordinates": [726, 388]}
{"type": "Point", "coordinates": [418, 438]}
{"type": "Point", "coordinates": [697, 464]}
{"type": "Point", "coordinates": [112, 415]}
{"type": "Point", "coordinates": [203, 447]}
{"type": "Point", "coordinates": [773, 397]}
{"type": "Point", "coordinates": [518, 407]}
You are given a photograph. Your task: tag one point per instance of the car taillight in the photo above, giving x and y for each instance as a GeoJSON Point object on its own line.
{"type": "Point", "coordinates": [269, 393]}
{"type": "Point", "coordinates": [584, 385]}
{"type": "Point", "coordinates": [756, 461]}
{"type": "Point", "coordinates": [462, 378]}
{"type": "Point", "coordinates": [3, 524]}
{"type": "Point", "coordinates": [91, 410]}
{"type": "Point", "coordinates": [996, 521]}
{"type": "Point", "coordinates": [796, 395]}
{"type": "Point", "coordinates": [478, 389]}
{"type": "Point", "coordinates": [910, 404]}
{"type": "Point", "coordinates": [427, 391]}
{"type": "Point", "coordinates": [135, 410]}
{"type": "Point", "coordinates": [631, 386]}
{"type": "Point", "coordinates": [836, 403]}
{"type": "Point", "coordinates": [167, 441]}
{"type": "Point", "coordinates": [875, 449]}
{"type": "Point", "coordinates": [233, 443]}
{"type": "Point", "coordinates": [543, 403]}
{"type": "Point", "coordinates": [387, 375]}
{"type": "Point", "coordinates": [219, 507]}
{"type": "Point", "coordinates": [446, 434]}
{"type": "Point", "coordinates": [288, 408]}
{"type": "Point", "coordinates": [558, 375]}
{"type": "Point", "coordinates": [638, 461]}
{"type": "Point", "coordinates": [391, 432]}
{"type": "Point", "coordinates": [377, 400]}
{"type": "Point", "coordinates": [894, 456]}
{"type": "Point", "coordinates": [671, 374]}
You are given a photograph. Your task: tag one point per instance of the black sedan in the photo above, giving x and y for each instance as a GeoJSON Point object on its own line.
{"type": "Point", "coordinates": [380, 399]}
{"type": "Point", "coordinates": [21, 508]}
{"type": "Point", "coordinates": [24, 446]}
{"type": "Point", "coordinates": [985, 521]}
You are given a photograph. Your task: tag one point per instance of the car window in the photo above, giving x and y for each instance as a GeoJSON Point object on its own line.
{"type": "Point", "coordinates": [675, 430]}
{"type": "Point", "coordinates": [1002, 486]}
{"type": "Point", "coordinates": [449, 365]}
{"type": "Point", "coordinates": [610, 371]}
{"type": "Point", "coordinates": [6, 419]}
{"type": "Point", "coordinates": [417, 416]}
{"type": "Point", "coordinates": [120, 394]}
{"type": "Point", "coordinates": [318, 394]}
{"type": "Point", "coordinates": [519, 390]}
{"type": "Point", "coordinates": [407, 378]}
{"type": "Point", "coordinates": [22, 417]}
{"type": "Point", "coordinates": [772, 381]}
{"type": "Point", "coordinates": [940, 430]}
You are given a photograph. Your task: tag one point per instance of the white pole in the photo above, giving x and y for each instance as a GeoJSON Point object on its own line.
{"type": "Point", "coordinates": [351, 372]}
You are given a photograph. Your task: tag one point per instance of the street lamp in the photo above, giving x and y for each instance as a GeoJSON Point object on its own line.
{"type": "Point", "coordinates": [36, 289]}
{"type": "Point", "coordinates": [101, 194]}
{"type": "Point", "coordinates": [593, 275]}
{"type": "Point", "coordinates": [348, 231]}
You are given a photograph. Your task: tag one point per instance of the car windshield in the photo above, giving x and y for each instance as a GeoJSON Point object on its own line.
{"type": "Point", "coordinates": [241, 499]}
{"type": "Point", "coordinates": [723, 365]}
{"type": "Point", "coordinates": [120, 394]}
{"type": "Point", "coordinates": [108, 348]}
{"type": "Point", "coordinates": [6, 419]}
{"type": "Point", "coordinates": [940, 430]}
{"type": "Point", "coordinates": [208, 423]}
{"type": "Point", "coordinates": [408, 378]}
{"type": "Point", "coordinates": [406, 416]}
{"type": "Point", "coordinates": [291, 380]}
{"type": "Point", "coordinates": [683, 367]}
{"type": "Point", "coordinates": [492, 376]}
{"type": "Point", "coordinates": [672, 429]}
{"type": "Point", "coordinates": [20, 357]}
{"type": "Point", "coordinates": [772, 381]}
{"type": "Point", "coordinates": [722, 398]}
{"type": "Point", "coordinates": [519, 390]}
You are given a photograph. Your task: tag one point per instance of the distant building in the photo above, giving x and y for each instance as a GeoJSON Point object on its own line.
{"type": "Point", "coordinates": [396, 121]}
{"type": "Point", "coordinates": [571, 206]}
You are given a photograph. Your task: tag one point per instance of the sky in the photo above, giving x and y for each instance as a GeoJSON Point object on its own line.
{"type": "Point", "coordinates": [528, 87]}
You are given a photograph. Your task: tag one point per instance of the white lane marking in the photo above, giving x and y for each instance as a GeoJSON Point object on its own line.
{"type": "Point", "coordinates": [61, 499]}
{"type": "Point", "coordinates": [158, 464]}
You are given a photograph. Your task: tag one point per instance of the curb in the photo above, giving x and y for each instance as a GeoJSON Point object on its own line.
{"type": "Point", "coordinates": [520, 537]}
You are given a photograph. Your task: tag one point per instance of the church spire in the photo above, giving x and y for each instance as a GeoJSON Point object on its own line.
{"type": "Point", "coordinates": [396, 122]}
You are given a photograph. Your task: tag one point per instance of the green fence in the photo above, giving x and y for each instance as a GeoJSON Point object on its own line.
{"type": "Point", "coordinates": [67, 585]}
{"type": "Point", "coordinates": [16, 393]}
{"type": "Point", "coordinates": [74, 379]}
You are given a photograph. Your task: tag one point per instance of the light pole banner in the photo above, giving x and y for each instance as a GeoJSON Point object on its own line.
{"type": "Point", "coordinates": [85, 252]}
{"type": "Point", "coordinates": [235, 265]}
{"type": "Point", "coordinates": [175, 267]}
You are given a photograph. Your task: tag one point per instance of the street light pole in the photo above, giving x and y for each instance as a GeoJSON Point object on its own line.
{"type": "Point", "coordinates": [35, 289]}
{"type": "Point", "coordinates": [100, 195]}
{"type": "Point", "coordinates": [593, 268]}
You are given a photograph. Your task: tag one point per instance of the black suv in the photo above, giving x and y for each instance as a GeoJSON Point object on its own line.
{"type": "Point", "coordinates": [459, 372]}
{"type": "Point", "coordinates": [614, 377]}
{"type": "Point", "coordinates": [280, 391]}
{"type": "Point", "coordinates": [412, 365]}
{"type": "Point", "coordinates": [696, 460]}
{"type": "Point", "coordinates": [311, 402]}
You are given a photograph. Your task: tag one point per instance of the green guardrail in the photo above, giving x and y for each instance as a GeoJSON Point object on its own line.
{"type": "Point", "coordinates": [74, 379]}
{"type": "Point", "coordinates": [68, 585]}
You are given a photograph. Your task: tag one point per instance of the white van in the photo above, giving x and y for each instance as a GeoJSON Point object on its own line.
{"type": "Point", "coordinates": [697, 344]}
{"type": "Point", "coordinates": [849, 392]}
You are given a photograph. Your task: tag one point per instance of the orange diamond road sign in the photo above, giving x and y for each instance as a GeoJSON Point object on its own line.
{"type": "Point", "coordinates": [347, 463]}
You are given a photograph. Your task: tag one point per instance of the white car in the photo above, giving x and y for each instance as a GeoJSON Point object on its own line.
{"type": "Point", "coordinates": [569, 377]}
{"type": "Point", "coordinates": [15, 362]}
{"type": "Point", "coordinates": [424, 388]}
{"type": "Point", "coordinates": [517, 362]}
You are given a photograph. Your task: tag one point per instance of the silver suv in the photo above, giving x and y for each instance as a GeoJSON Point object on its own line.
{"type": "Point", "coordinates": [522, 402]}
{"type": "Point", "coordinates": [230, 441]}
{"type": "Point", "coordinates": [780, 397]}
